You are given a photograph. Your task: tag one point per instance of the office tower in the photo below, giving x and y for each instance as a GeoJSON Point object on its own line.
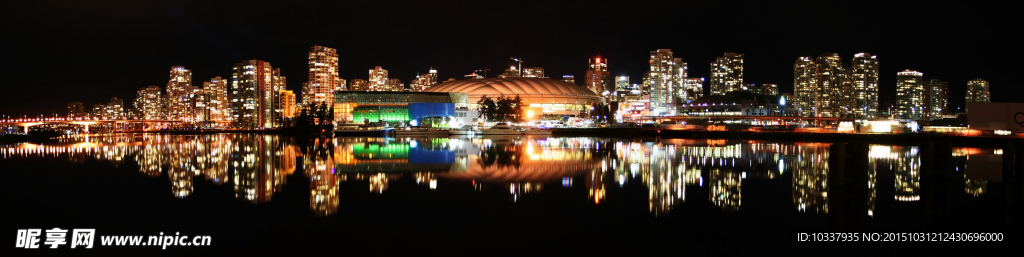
{"type": "Point", "coordinates": [934, 98]}
{"type": "Point", "coordinates": [661, 82]}
{"type": "Point", "coordinates": [864, 76]}
{"type": "Point", "coordinates": [763, 89]}
{"type": "Point", "coordinates": [76, 110]}
{"type": "Point", "coordinates": [727, 74]}
{"type": "Point", "coordinates": [535, 72]}
{"type": "Point", "coordinates": [178, 90]}
{"type": "Point", "coordinates": [323, 77]}
{"type": "Point", "coordinates": [147, 102]}
{"type": "Point", "coordinates": [219, 103]}
{"type": "Point", "coordinates": [805, 87]}
{"type": "Point", "coordinates": [693, 88]}
{"type": "Point", "coordinates": [977, 92]}
{"type": "Point", "coordinates": [378, 79]}
{"type": "Point", "coordinates": [249, 82]}
{"type": "Point", "coordinates": [598, 78]}
{"type": "Point", "coordinates": [909, 95]}
{"type": "Point", "coordinates": [569, 79]}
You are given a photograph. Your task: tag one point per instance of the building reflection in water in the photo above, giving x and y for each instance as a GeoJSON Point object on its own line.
{"type": "Point", "coordinates": [257, 166]}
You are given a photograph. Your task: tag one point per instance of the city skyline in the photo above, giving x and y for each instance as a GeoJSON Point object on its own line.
{"type": "Point", "coordinates": [118, 65]}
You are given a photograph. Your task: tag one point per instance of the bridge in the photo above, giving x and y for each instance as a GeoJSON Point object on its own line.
{"type": "Point", "coordinates": [29, 122]}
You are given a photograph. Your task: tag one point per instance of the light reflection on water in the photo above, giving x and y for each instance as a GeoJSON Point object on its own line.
{"type": "Point", "coordinates": [256, 166]}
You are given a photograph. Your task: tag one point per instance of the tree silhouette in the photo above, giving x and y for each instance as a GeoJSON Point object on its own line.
{"type": "Point", "coordinates": [321, 114]}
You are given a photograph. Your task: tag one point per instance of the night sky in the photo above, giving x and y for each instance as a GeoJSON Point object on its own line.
{"type": "Point", "coordinates": [55, 52]}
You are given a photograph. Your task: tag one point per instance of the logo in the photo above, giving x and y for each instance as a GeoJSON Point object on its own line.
{"type": "Point", "coordinates": [1019, 118]}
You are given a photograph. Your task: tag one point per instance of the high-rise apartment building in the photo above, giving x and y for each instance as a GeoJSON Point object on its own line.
{"type": "Point", "coordinates": [395, 85]}
{"type": "Point", "coordinates": [662, 81]}
{"type": "Point", "coordinates": [198, 107]}
{"type": "Point", "coordinates": [422, 82]}
{"type": "Point", "coordinates": [598, 78]}
{"type": "Point", "coordinates": [727, 74]}
{"type": "Point", "coordinates": [378, 79]}
{"type": "Point", "coordinates": [323, 77]}
{"type": "Point", "coordinates": [693, 88]}
{"type": "Point", "coordinates": [285, 111]}
{"type": "Point", "coordinates": [864, 76]}
{"type": "Point", "coordinates": [179, 88]}
{"type": "Point", "coordinates": [977, 92]}
{"type": "Point", "coordinates": [805, 87]}
{"type": "Point", "coordinates": [219, 103]}
{"type": "Point", "coordinates": [148, 103]}
{"type": "Point", "coordinates": [359, 85]}
{"type": "Point", "coordinates": [114, 109]}
{"type": "Point", "coordinates": [909, 95]}
{"type": "Point", "coordinates": [934, 98]}
{"type": "Point", "coordinates": [249, 82]}
{"type": "Point", "coordinates": [833, 87]}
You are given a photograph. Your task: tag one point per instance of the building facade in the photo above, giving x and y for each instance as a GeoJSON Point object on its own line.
{"type": "Point", "coordinates": [909, 95]}
{"type": "Point", "coordinates": [934, 98]}
{"type": "Point", "coordinates": [323, 76]}
{"type": "Point", "coordinates": [219, 103]}
{"type": "Point", "coordinates": [805, 87]}
{"type": "Point", "coordinates": [864, 76]}
{"type": "Point", "coordinates": [727, 74]}
{"type": "Point", "coordinates": [179, 87]}
{"type": "Point", "coordinates": [598, 78]}
{"type": "Point", "coordinates": [662, 81]}
{"type": "Point", "coordinates": [249, 82]}
{"type": "Point", "coordinates": [977, 92]}
{"type": "Point", "coordinates": [378, 80]}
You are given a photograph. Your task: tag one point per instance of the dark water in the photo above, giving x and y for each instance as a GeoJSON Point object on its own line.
{"type": "Point", "coordinates": [498, 195]}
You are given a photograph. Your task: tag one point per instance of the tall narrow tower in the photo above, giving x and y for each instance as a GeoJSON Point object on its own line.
{"type": "Point", "coordinates": [864, 78]}
{"type": "Point", "coordinates": [179, 87]}
{"type": "Point", "coordinates": [323, 76]}
{"type": "Point", "coordinates": [727, 74]}
{"type": "Point", "coordinates": [598, 78]}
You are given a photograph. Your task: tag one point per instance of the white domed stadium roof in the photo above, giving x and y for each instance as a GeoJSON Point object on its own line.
{"type": "Point", "coordinates": [511, 86]}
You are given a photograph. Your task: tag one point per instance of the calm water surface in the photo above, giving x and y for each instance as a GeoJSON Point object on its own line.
{"type": "Point", "coordinates": [464, 195]}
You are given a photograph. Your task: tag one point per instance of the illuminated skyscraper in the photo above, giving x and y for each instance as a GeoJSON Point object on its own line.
{"type": "Point", "coordinates": [147, 101]}
{"type": "Point", "coordinates": [219, 104]}
{"type": "Point", "coordinates": [114, 109]}
{"type": "Point", "coordinates": [662, 80]}
{"type": "Point", "coordinates": [909, 95]}
{"type": "Point", "coordinates": [805, 87]}
{"type": "Point", "coordinates": [864, 76]}
{"type": "Point", "coordinates": [833, 88]}
{"type": "Point", "coordinates": [378, 79]}
{"type": "Point", "coordinates": [598, 78]}
{"type": "Point", "coordinates": [178, 89]}
{"type": "Point", "coordinates": [395, 84]}
{"type": "Point", "coordinates": [977, 92]}
{"type": "Point", "coordinates": [727, 74]}
{"type": "Point", "coordinates": [323, 76]}
{"type": "Point", "coordinates": [250, 81]}
{"type": "Point", "coordinates": [934, 98]}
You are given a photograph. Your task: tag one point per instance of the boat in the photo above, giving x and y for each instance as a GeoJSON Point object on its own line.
{"type": "Point", "coordinates": [500, 129]}
{"type": "Point", "coordinates": [465, 130]}
{"type": "Point", "coordinates": [362, 130]}
{"type": "Point", "coordinates": [537, 131]}
{"type": "Point", "coordinates": [414, 131]}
